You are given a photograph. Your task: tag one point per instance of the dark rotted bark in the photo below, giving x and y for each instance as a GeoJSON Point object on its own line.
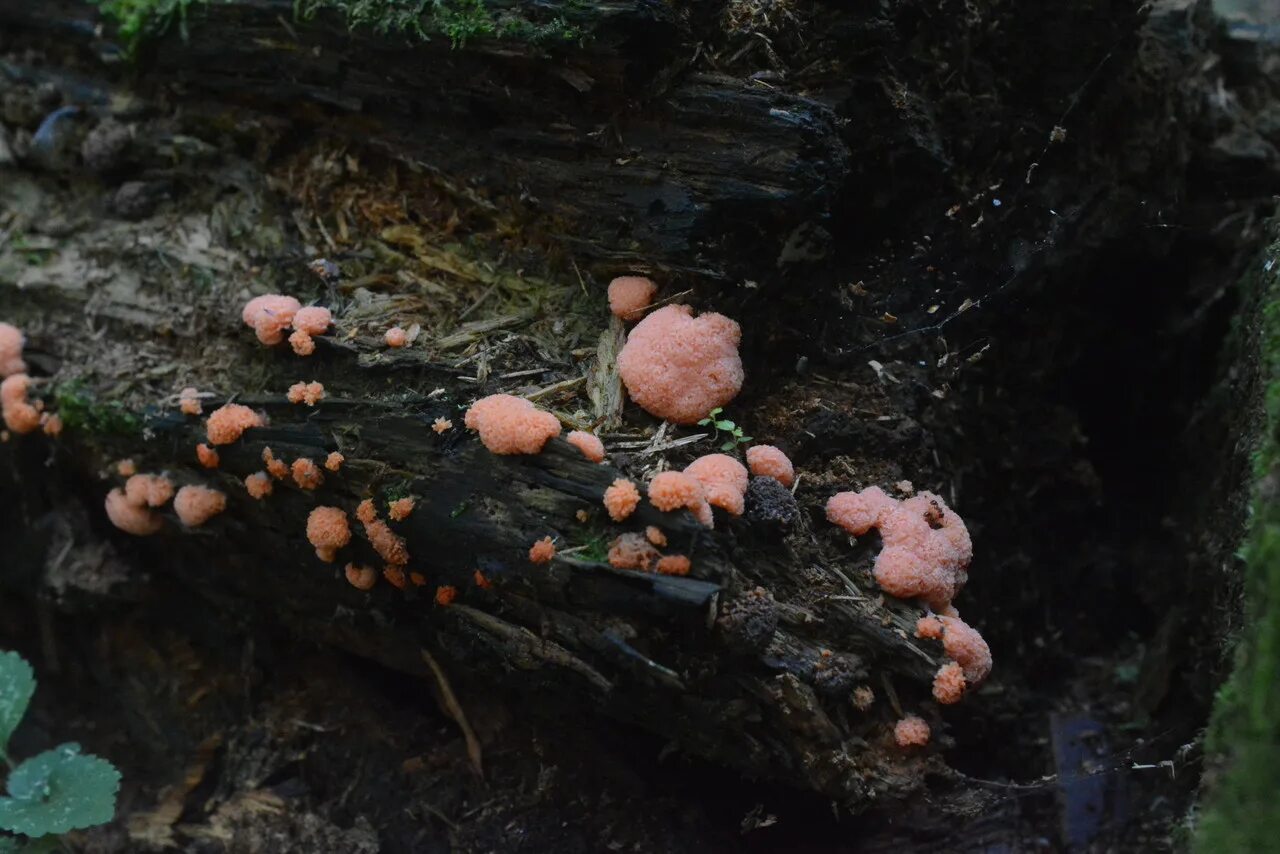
{"type": "Point", "coordinates": [615, 150]}
{"type": "Point", "coordinates": [709, 661]}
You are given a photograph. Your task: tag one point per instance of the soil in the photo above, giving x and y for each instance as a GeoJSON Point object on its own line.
{"type": "Point", "coordinates": [1065, 400]}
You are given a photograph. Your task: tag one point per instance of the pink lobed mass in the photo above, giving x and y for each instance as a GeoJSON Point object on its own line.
{"type": "Point", "coordinates": [328, 530]}
{"type": "Point", "coordinates": [926, 547]}
{"type": "Point", "coordinates": [966, 647]}
{"type": "Point", "coordinates": [948, 683]}
{"type": "Point", "coordinates": [227, 423]}
{"type": "Point", "coordinates": [674, 565]}
{"type": "Point", "coordinates": [723, 479]}
{"type": "Point", "coordinates": [672, 490]}
{"type": "Point", "coordinates": [269, 316]}
{"type": "Point", "coordinates": [632, 551]}
{"type": "Point", "coordinates": [395, 337]}
{"type": "Point", "coordinates": [151, 490]}
{"type": "Point", "coordinates": [196, 505]}
{"type": "Point", "coordinates": [542, 551]}
{"type": "Point", "coordinates": [302, 343]}
{"type": "Point", "coordinates": [911, 731]}
{"type": "Point", "coordinates": [258, 485]}
{"type": "Point", "coordinates": [629, 296]}
{"type": "Point", "coordinates": [680, 367]}
{"type": "Point", "coordinates": [278, 306]}
{"type": "Point", "coordinates": [621, 499]}
{"type": "Point", "coordinates": [511, 425]}
{"type": "Point", "coordinates": [389, 546]}
{"type": "Point", "coordinates": [768, 461]}
{"type": "Point", "coordinates": [11, 344]}
{"type": "Point", "coordinates": [309, 393]}
{"type": "Point", "coordinates": [130, 517]}
{"type": "Point", "coordinates": [313, 320]}
{"type": "Point", "coordinates": [189, 401]}
{"type": "Point", "coordinates": [400, 509]}
{"type": "Point", "coordinates": [306, 474]}
{"type": "Point", "coordinates": [588, 445]}
{"type": "Point", "coordinates": [19, 414]}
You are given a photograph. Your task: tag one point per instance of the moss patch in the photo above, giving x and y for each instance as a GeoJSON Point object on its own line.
{"type": "Point", "coordinates": [80, 411]}
{"type": "Point", "coordinates": [138, 20]}
{"type": "Point", "coordinates": [1243, 743]}
{"type": "Point", "coordinates": [459, 21]}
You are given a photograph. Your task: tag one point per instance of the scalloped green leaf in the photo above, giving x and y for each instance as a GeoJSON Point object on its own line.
{"type": "Point", "coordinates": [60, 790]}
{"type": "Point", "coordinates": [17, 684]}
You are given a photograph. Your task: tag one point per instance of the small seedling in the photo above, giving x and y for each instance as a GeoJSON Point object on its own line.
{"type": "Point", "coordinates": [52, 792]}
{"type": "Point", "coordinates": [724, 425]}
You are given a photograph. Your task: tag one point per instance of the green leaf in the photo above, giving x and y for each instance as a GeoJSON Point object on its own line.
{"type": "Point", "coordinates": [60, 790]}
{"type": "Point", "coordinates": [727, 446]}
{"type": "Point", "coordinates": [39, 845]}
{"type": "Point", "coordinates": [17, 684]}
{"type": "Point", "coordinates": [726, 425]}
{"type": "Point", "coordinates": [744, 438]}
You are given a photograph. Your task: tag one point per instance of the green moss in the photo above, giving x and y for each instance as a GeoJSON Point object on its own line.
{"type": "Point", "coordinates": [32, 255]}
{"type": "Point", "coordinates": [403, 489]}
{"type": "Point", "coordinates": [589, 544]}
{"type": "Point", "coordinates": [139, 20]}
{"type": "Point", "coordinates": [557, 29]}
{"type": "Point", "coordinates": [595, 550]}
{"type": "Point", "coordinates": [80, 411]}
{"type": "Point", "coordinates": [460, 21]}
{"type": "Point", "coordinates": [383, 16]}
{"type": "Point", "coordinates": [1239, 812]}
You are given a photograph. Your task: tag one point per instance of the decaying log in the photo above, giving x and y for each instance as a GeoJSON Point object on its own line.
{"type": "Point", "coordinates": [670, 653]}
{"type": "Point", "coordinates": [751, 661]}
{"type": "Point", "coordinates": [623, 153]}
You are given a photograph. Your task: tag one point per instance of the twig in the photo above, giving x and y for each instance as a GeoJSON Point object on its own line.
{"type": "Point", "coordinates": [563, 385]}
{"type": "Point", "coordinates": [453, 825]}
{"type": "Point", "coordinates": [454, 708]}
{"type": "Point", "coordinates": [471, 308]}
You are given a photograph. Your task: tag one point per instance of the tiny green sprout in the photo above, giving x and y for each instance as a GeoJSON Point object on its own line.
{"type": "Point", "coordinates": [588, 546]}
{"type": "Point", "coordinates": [52, 792]}
{"type": "Point", "coordinates": [724, 425]}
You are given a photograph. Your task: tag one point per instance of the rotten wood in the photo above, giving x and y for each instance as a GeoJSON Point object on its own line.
{"type": "Point", "coordinates": [710, 175]}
